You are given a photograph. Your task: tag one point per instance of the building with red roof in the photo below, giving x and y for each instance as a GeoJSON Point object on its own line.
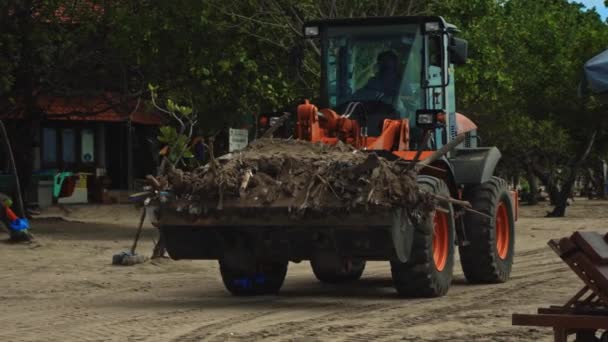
{"type": "Point", "coordinates": [107, 135]}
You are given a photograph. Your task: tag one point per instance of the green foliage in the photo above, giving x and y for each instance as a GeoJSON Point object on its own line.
{"type": "Point", "coordinates": [178, 144]}
{"type": "Point", "coordinates": [523, 140]}
{"type": "Point", "coordinates": [196, 53]}
{"type": "Point", "coordinates": [521, 82]}
{"type": "Point", "coordinates": [55, 47]}
{"type": "Point", "coordinates": [182, 118]}
{"type": "Point", "coordinates": [229, 59]}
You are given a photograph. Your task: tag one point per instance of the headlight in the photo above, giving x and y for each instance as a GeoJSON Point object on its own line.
{"type": "Point", "coordinates": [274, 121]}
{"type": "Point", "coordinates": [432, 27]}
{"type": "Point", "coordinates": [425, 119]}
{"type": "Point", "coordinates": [311, 31]}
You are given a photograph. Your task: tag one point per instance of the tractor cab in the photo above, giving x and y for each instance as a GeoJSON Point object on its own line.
{"type": "Point", "coordinates": [374, 69]}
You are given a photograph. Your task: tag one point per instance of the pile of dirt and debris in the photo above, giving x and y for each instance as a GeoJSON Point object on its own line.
{"type": "Point", "coordinates": [303, 177]}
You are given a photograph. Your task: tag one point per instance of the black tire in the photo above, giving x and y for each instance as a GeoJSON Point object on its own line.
{"type": "Point", "coordinates": [265, 278]}
{"type": "Point", "coordinates": [482, 263]}
{"type": "Point", "coordinates": [350, 270]}
{"type": "Point", "coordinates": [421, 276]}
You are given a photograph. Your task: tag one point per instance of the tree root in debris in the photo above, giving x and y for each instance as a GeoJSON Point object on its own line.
{"type": "Point", "coordinates": [312, 177]}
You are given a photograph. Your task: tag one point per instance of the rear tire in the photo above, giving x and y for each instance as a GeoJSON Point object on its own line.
{"type": "Point", "coordinates": [347, 271]}
{"type": "Point", "coordinates": [265, 278]}
{"type": "Point", "coordinates": [489, 256]}
{"type": "Point", "coordinates": [428, 273]}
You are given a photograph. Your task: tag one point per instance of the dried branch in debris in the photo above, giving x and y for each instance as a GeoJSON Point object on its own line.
{"type": "Point", "coordinates": [305, 177]}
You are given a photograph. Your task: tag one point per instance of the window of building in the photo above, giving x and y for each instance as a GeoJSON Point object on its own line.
{"type": "Point", "coordinates": [68, 149]}
{"type": "Point", "coordinates": [49, 145]}
{"type": "Point", "coordinates": [88, 146]}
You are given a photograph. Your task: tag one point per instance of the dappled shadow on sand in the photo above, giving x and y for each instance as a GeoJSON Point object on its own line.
{"type": "Point", "coordinates": [66, 230]}
{"type": "Point", "coordinates": [298, 294]}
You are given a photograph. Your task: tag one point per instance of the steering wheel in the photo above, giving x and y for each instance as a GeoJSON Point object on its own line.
{"type": "Point", "coordinates": [375, 96]}
{"type": "Point", "coordinates": [362, 110]}
{"type": "Point", "coordinates": [353, 109]}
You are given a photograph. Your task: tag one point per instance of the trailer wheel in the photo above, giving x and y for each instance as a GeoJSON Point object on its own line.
{"type": "Point", "coordinates": [489, 255]}
{"type": "Point", "coordinates": [264, 279]}
{"type": "Point", "coordinates": [428, 273]}
{"type": "Point", "coordinates": [335, 273]}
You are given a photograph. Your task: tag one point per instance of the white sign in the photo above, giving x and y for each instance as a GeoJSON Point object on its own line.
{"type": "Point", "coordinates": [237, 139]}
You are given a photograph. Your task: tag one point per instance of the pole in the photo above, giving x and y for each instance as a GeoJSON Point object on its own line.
{"type": "Point", "coordinates": [129, 155]}
{"type": "Point", "coordinates": [139, 228]}
{"type": "Point", "coordinates": [13, 168]}
{"type": "Point", "coordinates": [441, 152]}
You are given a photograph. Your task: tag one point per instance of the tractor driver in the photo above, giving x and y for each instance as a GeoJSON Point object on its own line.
{"type": "Point", "coordinates": [384, 85]}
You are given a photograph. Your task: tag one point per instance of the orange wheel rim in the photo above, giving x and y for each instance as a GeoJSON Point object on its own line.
{"type": "Point", "coordinates": [441, 240]}
{"type": "Point", "coordinates": [502, 230]}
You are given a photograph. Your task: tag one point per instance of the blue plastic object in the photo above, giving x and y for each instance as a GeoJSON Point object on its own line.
{"type": "Point", "coordinates": [596, 73]}
{"type": "Point", "coordinates": [19, 225]}
{"type": "Point", "coordinates": [248, 283]}
{"type": "Point", "coordinates": [244, 283]}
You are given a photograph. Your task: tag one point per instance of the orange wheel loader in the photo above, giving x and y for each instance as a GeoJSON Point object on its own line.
{"type": "Point", "coordinates": [387, 87]}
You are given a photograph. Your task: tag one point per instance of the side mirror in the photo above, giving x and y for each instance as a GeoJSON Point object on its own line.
{"type": "Point", "coordinates": [311, 31]}
{"type": "Point", "coordinates": [459, 51]}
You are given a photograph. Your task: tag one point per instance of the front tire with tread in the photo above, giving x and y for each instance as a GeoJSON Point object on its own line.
{"type": "Point", "coordinates": [480, 259]}
{"type": "Point", "coordinates": [420, 276]}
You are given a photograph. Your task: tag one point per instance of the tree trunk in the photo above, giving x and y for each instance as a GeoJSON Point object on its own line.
{"type": "Point", "coordinates": [559, 209]}
{"type": "Point", "coordinates": [548, 181]}
{"type": "Point", "coordinates": [588, 182]}
{"type": "Point", "coordinates": [22, 143]}
{"type": "Point", "coordinates": [553, 190]}
{"type": "Point", "coordinates": [562, 201]}
{"type": "Point", "coordinates": [25, 83]}
{"type": "Point", "coordinates": [533, 184]}
{"type": "Point", "coordinates": [599, 181]}
{"type": "Point", "coordinates": [13, 169]}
